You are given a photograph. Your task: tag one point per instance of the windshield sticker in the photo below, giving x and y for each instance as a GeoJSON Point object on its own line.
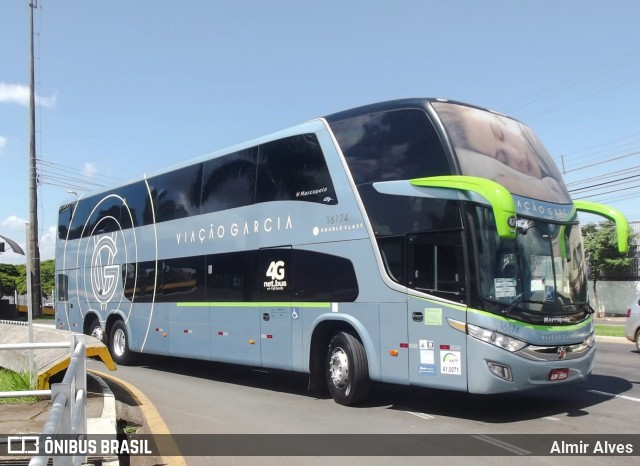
{"type": "Point", "coordinates": [549, 293]}
{"type": "Point", "coordinates": [450, 363]}
{"type": "Point", "coordinates": [504, 150]}
{"type": "Point", "coordinates": [433, 316]}
{"type": "Point", "coordinates": [505, 287]}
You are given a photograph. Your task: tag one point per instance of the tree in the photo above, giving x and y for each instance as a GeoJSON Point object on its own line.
{"type": "Point", "coordinates": [601, 250]}
{"type": "Point", "coordinates": [8, 279]}
{"type": "Point", "coordinates": [14, 278]}
{"type": "Point", "coordinates": [47, 277]}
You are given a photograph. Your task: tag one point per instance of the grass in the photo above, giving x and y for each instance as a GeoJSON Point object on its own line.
{"type": "Point", "coordinates": [12, 382]}
{"type": "Point", "coordinates": [610, 330]}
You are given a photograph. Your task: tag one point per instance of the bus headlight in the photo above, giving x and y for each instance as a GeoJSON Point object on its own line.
{"type": "Point", "coordinates": [591, 339]}
{"type": "Point", "coordinates": [495, 338]}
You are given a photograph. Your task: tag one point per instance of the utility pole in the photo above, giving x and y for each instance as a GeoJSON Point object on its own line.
{"type": "Point", "coordinates": [33, 264]}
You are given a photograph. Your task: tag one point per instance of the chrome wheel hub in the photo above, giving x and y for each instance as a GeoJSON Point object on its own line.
{"type": "Point", "coordinates": [119, 342]}
{"type": "Point", "coordinates": [98, 333]}
{"type": "Point", "coordinates": [339, 368]}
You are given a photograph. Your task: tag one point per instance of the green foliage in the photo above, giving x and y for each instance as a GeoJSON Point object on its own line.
{"type": "Point", "coordinates": [8, 277]}
{"type": "Point", "coordinates": [14, 277]}
{"type": "Point", "coordinates": [601, 249]}
{"type": "Point", "coordinates": [13, 382]}
{"type": "Point", "coordinates": [21, 283]}
{"type": "Point", "coordinates": [47, 277]}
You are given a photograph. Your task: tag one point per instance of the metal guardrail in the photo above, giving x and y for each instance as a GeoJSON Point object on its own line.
{"type": "Point", "coordinates": [68, 413]}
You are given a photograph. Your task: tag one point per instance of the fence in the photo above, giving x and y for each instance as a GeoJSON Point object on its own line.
{"type": "Point", "coordinates": [68, 413]}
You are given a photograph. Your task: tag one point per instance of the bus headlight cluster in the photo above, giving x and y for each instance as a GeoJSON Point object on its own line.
{"type": "Point", "coordinates": [495, 338]}
{"type": "Point", "coordinates": [591, 339]}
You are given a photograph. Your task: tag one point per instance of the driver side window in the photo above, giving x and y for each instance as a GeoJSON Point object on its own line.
{"type": "Point", "coordinates": [436, 264]}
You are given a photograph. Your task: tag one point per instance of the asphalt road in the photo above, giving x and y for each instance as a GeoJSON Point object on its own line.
{"type": "Point", "coordinates": [202, 397]}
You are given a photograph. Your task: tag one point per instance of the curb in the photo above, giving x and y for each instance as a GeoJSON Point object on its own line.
{"type": "Point", "coordinates": [151, 416]}
{"type": "Point", "coordinates": [107, 422]}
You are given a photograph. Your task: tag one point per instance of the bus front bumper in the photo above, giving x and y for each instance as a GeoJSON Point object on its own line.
{"type": "Point", "coordinates": [495, 370]}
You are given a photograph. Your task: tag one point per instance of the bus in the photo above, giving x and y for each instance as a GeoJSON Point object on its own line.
{"type": "Point", "coordinates": [418, 242]}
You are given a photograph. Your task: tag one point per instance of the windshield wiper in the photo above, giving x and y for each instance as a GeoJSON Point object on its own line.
{"type": "Point", "coordinates": [513, 304]}
{"type": "Point", "coordinates": [590, 310]}
{"type": "Point", "coordinates": [518, 300]}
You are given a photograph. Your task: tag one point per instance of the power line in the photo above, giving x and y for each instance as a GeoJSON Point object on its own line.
{"type": "Point", "coordinates": [604, 176]}
{"type": "Point", "coordinates": [606, 183]}
{"type": "Point", "coordinates": [582, 78]}
{"type": "Point", "coordinates": [603, 162]}
{"type": "Point", "coordinates": [66, 186]}
{"type": "Point", "coordinates": [64, 179]}
{"type": "Point", "coordinates": [580, 99]}
{"type": "Point", "coordinates": [621, 198]}
{"type": "Point", "coordinates": [584, 149]}
{"type": "Point", "coordinates": [84, 180]}
{"type": "Point", "coordinates": [78, 171]}
{"type": "Point", "coordinates": [598, 155]}
{"type": "Point", "coordinates": [608, 192]}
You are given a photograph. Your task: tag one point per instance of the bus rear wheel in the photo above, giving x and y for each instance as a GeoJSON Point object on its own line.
{"type": "Point", "coordinates": [347, 370]}
{"type": "Point", "coordinates": [95, 330]}
{"type": "Point", "coordinates": [119, 345]}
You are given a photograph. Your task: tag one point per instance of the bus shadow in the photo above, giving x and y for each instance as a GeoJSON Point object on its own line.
{"type": "Point", "coordinates": [571, 400]}
{"type": "Point", "coordinates": [255, 377]}
{"type": "Point", "coordinates": [568, 400]}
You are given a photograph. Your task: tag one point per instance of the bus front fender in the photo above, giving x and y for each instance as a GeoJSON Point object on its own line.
{"type": "Point", "coordinates": [334, 323]}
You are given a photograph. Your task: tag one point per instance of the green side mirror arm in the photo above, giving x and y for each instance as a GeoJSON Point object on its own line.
{"type": "Point", "coordinates": [611, 213]}
{"type": "Point", "coordinates": [504, 209]}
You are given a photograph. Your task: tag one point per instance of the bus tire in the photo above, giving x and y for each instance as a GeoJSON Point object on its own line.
{"type": "Point", "coordinates": [347, 370]}
{"type": "Point", "coordinates": [119, 345]}
{"type": "Point", "coordinates": [96, 331]}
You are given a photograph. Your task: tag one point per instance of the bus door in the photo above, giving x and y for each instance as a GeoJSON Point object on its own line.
{"type": "Point", "coordinates": [235, 325]}
{"type": "Point", "coordinates": [274, 284]}
{"type": "Point", "coordinates": [436, 266]}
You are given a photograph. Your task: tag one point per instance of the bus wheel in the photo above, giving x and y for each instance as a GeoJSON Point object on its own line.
{"type": "Point", "coordinates": [119, 345]}
{"type": "Point", "coordinates": [347, 370]}
{"type": "Point", "coordinates": [94, 330]}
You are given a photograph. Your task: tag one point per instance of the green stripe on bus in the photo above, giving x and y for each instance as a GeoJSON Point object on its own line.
{"type": "Point", "coordinates": [546, 328]}
{"type": "Point", "coordinates": [253, 304]}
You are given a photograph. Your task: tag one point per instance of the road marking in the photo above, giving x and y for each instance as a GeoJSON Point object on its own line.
{"type": "Point", "coordinates": [552, 418]}
{"type": "Point", "coordinates": [421, 415]}
{"type": "Point", "coordinates": [613, 395]}
{"type": "Point", "coordinates": [499, 443]}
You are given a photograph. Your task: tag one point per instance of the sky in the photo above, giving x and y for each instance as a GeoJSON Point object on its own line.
{"type": "Point", "coordinates": [131, 87]}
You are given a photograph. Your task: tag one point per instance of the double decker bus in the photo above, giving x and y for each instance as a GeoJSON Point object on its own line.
{"type": "Point", "coordinates": [418, 242]}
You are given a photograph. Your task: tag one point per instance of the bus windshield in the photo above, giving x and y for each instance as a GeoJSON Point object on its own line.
{"type": "Point", "coordinates": [540, 272]}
